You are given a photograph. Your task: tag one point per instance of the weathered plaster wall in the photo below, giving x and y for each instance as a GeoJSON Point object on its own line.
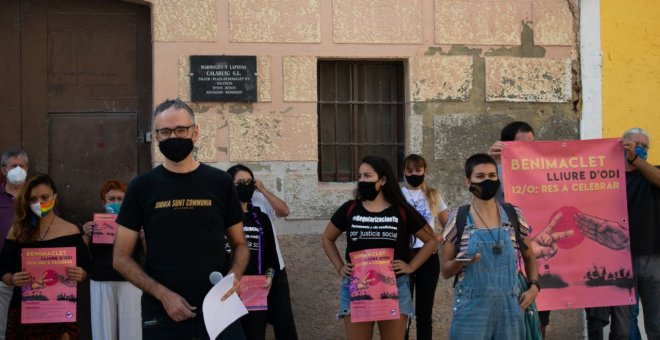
{"type": "Point", "coordinates": [630, 37]}
{"type": "Point", "coordinates": [470, 68]}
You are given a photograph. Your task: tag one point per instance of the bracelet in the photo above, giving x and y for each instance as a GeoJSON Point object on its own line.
{"type": "Point", "coordinates": [534, 283]}
{"type": "Point", "coordinates": [339, 269]}
{"type": "Point", "coordinates": [270, 272]}
{"type": "Point", "coordinates": [631, 161]}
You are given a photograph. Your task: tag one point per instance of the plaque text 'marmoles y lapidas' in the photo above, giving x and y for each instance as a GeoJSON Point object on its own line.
{"type": "Point", "coordinates": [223, 78]}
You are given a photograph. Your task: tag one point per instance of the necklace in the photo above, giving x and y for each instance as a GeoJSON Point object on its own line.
{"type": "Point", "coordinates": [497, 247]}
{"type": "Point", "coordinates": [48, 229]}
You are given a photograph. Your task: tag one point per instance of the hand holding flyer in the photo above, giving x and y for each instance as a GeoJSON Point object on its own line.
{"type": "Point", "coordinates": [51, 295]}
{"type": "Point", "coordinates": [373, 289]}
{"type": "Point", "coordinates": [105, 228]}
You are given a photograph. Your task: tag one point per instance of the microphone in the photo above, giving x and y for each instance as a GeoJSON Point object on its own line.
{"type": "Point", "coordinates": [215, 277]}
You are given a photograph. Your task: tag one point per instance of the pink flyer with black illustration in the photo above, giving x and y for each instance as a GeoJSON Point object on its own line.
{"type": "Point", "coordinates": [253, 294]}
{"type": "Point", "coordinates": [105, 228]}
{"type": "Point", "coordinates": [373, 290]}
{"type": "Point", "coordinates": [573, 194]}
{"type": "Point", "coordinates": [51, 296]}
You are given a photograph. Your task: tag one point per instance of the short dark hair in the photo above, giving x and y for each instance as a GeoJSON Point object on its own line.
{"type": "Point", "coordinates": [174, 103]}
{"type": "Point", "coordinates": [510, 131]}
{"type": "Point", "coordinates": [477, 159]}
{"type": "Point", "coordinates": [239, 167]}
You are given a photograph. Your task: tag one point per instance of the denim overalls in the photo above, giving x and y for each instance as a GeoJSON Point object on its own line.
{"type": "Point", "coordinates": [486, 300]}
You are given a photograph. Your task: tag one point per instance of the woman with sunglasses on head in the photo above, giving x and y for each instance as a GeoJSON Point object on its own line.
{"type": "Point", "coordinates": [378, 203]}
{"type": "Point", "coordinates": [428, 202]}
{"type": "Point", "coordinates": [36, 226]}
{"type": "Point", "coordinates": [489, 301]}
{"type": "Point", "coordinates": [115, 302]}
{"type": "Point", "coordinates": [260, 237]}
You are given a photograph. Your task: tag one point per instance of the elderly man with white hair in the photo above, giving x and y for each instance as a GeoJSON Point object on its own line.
{"type": "Point", "coordinates": [643, 189]}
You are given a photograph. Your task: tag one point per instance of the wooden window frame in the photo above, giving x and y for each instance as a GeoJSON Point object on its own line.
{"type": "Point", "coordinates": [339, 156]}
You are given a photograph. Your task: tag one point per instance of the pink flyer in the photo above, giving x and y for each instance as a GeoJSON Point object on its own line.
{"type": "Point", "coordinates": [573, 195]}
{"type": "Point", "coordinates": [51, 296]}
{"type": "Point", "coordinates": [253, 294]}
{"type": "Point", "coordinates": [373, 289]}
{"type": "Point", "coordinates": [105, 228]}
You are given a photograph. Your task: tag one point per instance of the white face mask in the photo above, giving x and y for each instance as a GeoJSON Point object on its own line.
{"type": "Point", "coordinates": [36, 209]}
{"type": "Point", "coordinates": [16, 176]}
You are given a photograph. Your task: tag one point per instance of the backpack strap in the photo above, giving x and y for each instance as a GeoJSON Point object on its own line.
{"type": "Point", "coordinates": [461, 221]}
{"type": "Point", "coordinates": [350, 209]}
{"type": "Point", "coordinates": [513, 219]}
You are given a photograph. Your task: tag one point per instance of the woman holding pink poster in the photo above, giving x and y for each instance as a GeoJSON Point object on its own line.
{"type": "Point", "coordinates": [264, 264]}
{"type": "Point", "coordinates": [481, 249]}
{"type": "Point", "coordinates": [378, 222]}
{"type": "Point", "coordinates": [115, 302]}
{"type": "Point", "coordinates": [37, 227]}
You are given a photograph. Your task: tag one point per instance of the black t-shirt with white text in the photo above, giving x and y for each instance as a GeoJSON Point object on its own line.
{"type": "Point", "coordinates": [268, 252]}
{"type": "Point", "coordinates": [184, 218]}
{"type": "Point", "coordinates": [643, 213]}
{"type": "Point", "coordinates": [384, 229]}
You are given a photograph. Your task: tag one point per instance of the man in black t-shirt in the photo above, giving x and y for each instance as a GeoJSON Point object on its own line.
{"type": "Point", "coordinates": [186, 208]}
{"type": "Point", "coordinates": [643, 188]}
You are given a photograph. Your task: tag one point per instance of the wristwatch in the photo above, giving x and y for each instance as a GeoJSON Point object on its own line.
{"type": "Point", "coordinates": [535, 283]}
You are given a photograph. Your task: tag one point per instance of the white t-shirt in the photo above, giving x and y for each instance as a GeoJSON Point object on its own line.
{"type": "Point", "coordinates": [259, 200]}
{"type": "Point", "coordinates": [417, 199]}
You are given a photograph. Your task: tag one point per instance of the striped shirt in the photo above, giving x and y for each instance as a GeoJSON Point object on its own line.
{"type": "Point", "coordinates": [450, 233]}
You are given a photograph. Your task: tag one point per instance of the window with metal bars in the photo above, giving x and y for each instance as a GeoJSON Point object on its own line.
{"type": "Point", "coordinates": [361, 113]}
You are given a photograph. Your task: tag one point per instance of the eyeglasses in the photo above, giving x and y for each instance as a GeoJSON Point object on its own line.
{"type": "Point", "coordinates": [179, 131]}
{"type": "Point", "coordinates": [243, 182]}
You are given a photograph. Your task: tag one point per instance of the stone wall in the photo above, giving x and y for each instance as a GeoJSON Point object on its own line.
{"type": "Point", "coordinates": [470, 68]}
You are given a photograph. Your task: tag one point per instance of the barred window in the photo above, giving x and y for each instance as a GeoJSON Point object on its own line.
{"type": "Point", "coordinates": [361, 112]}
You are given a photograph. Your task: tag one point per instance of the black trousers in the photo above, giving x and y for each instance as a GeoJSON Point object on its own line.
{"type": "Point", "coordinates": [280, 314]}
{"type": "Point", "coordinates": [423, 284]}
{"type": "Point", "coordinates": [254, 325]}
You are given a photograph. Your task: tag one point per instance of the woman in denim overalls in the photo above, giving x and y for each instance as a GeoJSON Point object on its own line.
{"type": "Point", "coordinates": [488, 301]}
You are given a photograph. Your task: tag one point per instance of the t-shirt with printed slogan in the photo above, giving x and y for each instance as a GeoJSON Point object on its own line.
{"type": "Point", "coordinates": [383, 229]}
{"type": "Point", "coordinates": [184, 218]}
{"type": "Point", "coordinates": [268, 253]}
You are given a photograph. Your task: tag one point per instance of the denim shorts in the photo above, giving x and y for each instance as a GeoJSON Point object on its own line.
{"type": "Point", "coordinates": [403, 288]}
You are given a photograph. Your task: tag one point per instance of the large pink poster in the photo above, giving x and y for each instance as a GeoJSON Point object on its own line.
{"type": "Point", "coordinates": [373, 290]}
{"type": "Point", "coordinates": [51, 296]}
{"type": "Point", "coordinates": [573, 194]}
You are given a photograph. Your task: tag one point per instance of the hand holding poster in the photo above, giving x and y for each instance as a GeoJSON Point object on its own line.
{"type": "Point", "coordinates": [105, 228]}
{"type": "Point", "coordinates": [373, 290]}
{"type": "Point", "coordinates": [573, 194]}
{"type": "Point", "coordinates": [51, 295]}
{"type": "Point", "coordinates": [253, 293]}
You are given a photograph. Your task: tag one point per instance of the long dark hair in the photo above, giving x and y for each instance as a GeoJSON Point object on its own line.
{"type": "Point", "coordinates": [391, 189]}
{"type": "Point", "coordinates": [24, 228]}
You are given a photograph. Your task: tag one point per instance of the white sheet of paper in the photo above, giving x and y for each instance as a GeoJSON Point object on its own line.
{"type": "Point", "coordinates": [220, 314]}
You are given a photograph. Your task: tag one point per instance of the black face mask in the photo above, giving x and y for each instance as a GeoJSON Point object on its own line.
{"type": "Point", "coordinates": [367, 190]}
{"type": "Point", "coordinates": [176, 149]}
{"type": "Point", "coordinates": [485, 189]}
{"type": "Point", "coordinates": [415, 180]}
{"type": "Point", "coordinates": [245, 192]}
